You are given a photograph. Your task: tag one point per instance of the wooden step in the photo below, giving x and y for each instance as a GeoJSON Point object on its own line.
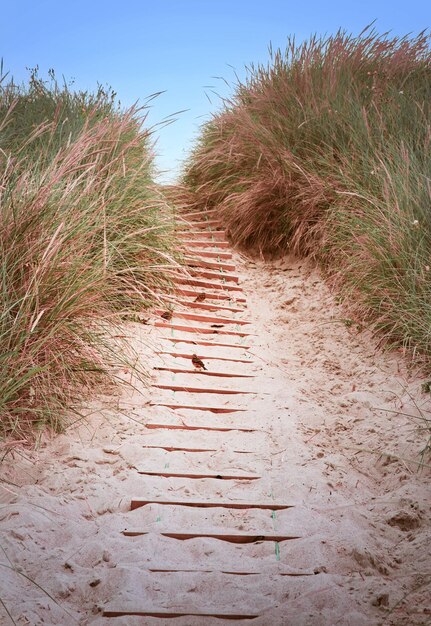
{"type": "Point", "coordinates": [238, 443]}
{"type": "Point", "coordinates": [222, 475]}
{"type": "Point", "coordinates": [137, 502]}
{"type": "Point", "coordinates": [193, 407]}
{"type": "Point", "coordinates": [198, 317]}
{"type": "Point", "coordinates": [216, 265]}
{"type": "Point", "coordinates": [203, 243]}
{"type": "Point", "coordinates": [208, 307]}
{"type": "Point", "coordinates": [199, 342]}
{"type": "Point", "coordinates": [186, 355]}
{"type": "Point", "coordinates": [184, 426]}
{"type": "Point", "coordinates": [206, 223]}
{"type": "Point", "coordinates": [202, 330]}
{"type": "Point", "coordinates": [168, 570]}
{"type": "Point", "coordinates": [179, 370]}
{"type": "Point", "coordinates": [209, 254]}
{"type": "Point", "coordinates": [182, 449]}
{"type": "Point", "coordinates": [206, 304]}
{"type": "Point", "coordinates": [185, 389]}
{"type": "Point", "coordinates": [232, 572]}
{"type": "Point", "coordinates": [202, 215]}
{"type": "Point", "coordinates": [183, 291]}
{"type": "Point", "coordinates": [206, 284]}
{"type": "Point", "coordinates": [230, 536]}
{"type": "Point", "coordinates": [212, 235]}
{"type": "Point", "coordinates": [223, 276]}
{"type": "Point", "coordinates": [118, 611]}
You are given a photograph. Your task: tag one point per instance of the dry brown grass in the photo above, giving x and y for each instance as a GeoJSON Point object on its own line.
{"type": "Point", "coordinates": [84, 237]}
{"type": "Point", "coordinates": [325, 152]}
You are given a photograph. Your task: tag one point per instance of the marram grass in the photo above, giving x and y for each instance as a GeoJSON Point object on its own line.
{"type": "Point", "coordinates": [84, 237]}
{"type": "Point", "coordinates": [325, 152]}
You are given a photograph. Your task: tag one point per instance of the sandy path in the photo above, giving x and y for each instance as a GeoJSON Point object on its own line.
{"type": "Point", "coordinates": [353, 547]}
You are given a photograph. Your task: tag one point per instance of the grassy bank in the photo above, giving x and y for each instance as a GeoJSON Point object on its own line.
{"type": "Point", "coordinates": [326, 152]}
{"type": "Point", "coordinates": [84, 237]}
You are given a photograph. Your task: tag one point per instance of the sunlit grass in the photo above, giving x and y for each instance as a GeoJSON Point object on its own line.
{"type": "Point", "coordinates": [325, 152]}
{"type": "Point", "coordinates": [84, 236]}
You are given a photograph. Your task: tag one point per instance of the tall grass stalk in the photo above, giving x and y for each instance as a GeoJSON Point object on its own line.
{"type": "Point", "coordinates": [84, 237]}
{"type": "Point", "coordinates": [325, 152]}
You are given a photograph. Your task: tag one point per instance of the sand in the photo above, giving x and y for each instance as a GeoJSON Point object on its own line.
{"type": "Point", "coordinates": [329, 426]}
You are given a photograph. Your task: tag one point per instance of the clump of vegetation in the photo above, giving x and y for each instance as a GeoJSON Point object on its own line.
{"type": "Point", "coordinates": [325, 152]}
{"type": "Point", "coordinates": [84, 237]}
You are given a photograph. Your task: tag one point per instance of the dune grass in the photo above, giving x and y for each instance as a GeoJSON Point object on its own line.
{"type": "Point", "coordinates": [84, 238]}
{"type": "Point", "coordinates": [325, 152]}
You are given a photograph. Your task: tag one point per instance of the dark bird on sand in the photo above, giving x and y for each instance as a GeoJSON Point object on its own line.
{"type": "Point", "coordinates": [200, 297]}
{"type": "Point", "coordinates": [199, 365]}
{"type": "Point", "coordinates": [167, 315]}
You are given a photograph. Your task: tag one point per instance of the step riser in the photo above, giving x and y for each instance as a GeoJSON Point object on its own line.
{"type": "Point", "coordinates": [206, 343]}
{"type": "Point", "coordinates": [177, 370]}
{"type": "Point", "coordinates": [193, 407]}
{"type": "Point", "coordinates": [207, 428]}
{"type": "Point", "coordinates": [206, 284]}
{"type": "Point", "coordinates": [196, 317]}
{"type": "Point", "coordinates": [198, 243]}
{"type": "Point", "coordinates": [212, 235]}
{"type": "Point", "coordinates": [201, 330]}
{"type": "Point", "coordinates": [196, 262]}
{"type": "Point", "coordinates": [185, 355]}
{"type": "Point", "coordinates": [222, 392]}
{"type": "Point", "coordinates": [210, 307]}
{"type": "Point", "coordinates": [224, 504]}
{"type": "Point", "coordinates": [214, 275]}
{"type": "Point", "coordinates": [210, 296]}
{"type": "Point", "coordinates": [213, 255]}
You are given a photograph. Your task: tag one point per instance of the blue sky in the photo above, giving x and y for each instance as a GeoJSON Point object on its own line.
{"type": "Point", "coordinates": [177, 46]}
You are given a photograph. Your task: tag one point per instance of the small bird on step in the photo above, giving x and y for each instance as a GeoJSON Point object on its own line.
{"type": "Point", "coordinates": [167, 315]}
{"type": "Point", "coordinates": [199, 365]}
{"type": "Point", "coordinates": [200, 297]}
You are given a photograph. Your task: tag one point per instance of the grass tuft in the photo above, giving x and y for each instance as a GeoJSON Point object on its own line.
{"type": "Point", "coordinates": [325, 152]}
{"type": "Point", "coordinates": [84, 237]}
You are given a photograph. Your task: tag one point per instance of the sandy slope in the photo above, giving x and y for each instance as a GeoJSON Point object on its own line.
{"type": "Point", "coordinates": [363, 556]}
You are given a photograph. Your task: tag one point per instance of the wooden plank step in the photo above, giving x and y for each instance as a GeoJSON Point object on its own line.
{"type": "Point", "coordinates": [222, 475]}
{"type": "Point", "coordinates": [199, 317]}
{"type": "Point", "coordinates": [209, 254]}
{"type": "Point", "coordinates": [224, 276]}
{"type": "Point", "coordinates": [204, 390]}
{"type": "Point", "coordinates": [137, 502]}
{"type": "Point", "coordinates": [193, 407]}
{"type": "Point", "coordinates": [184, 426]}
{"type": "Point", "coordinates": [216, 265]}
{"type": "Point", "coordinates": [259, 572]}
{"type": "Point", "coordinates": [205, 284]}
{"type": "Point", "coordinates": [167, 570]}
{"type": "Point", "coordinates": [186, 355]}
{"type": "Point", "coordinates": [208, 307]}
{"type": "Point", "coordinates": [212, 235]}
{"type": "Point", "coordinates": [183, 291]}
{"type": "Point", "coordinates": [167, 613]}
{"type": "Point", "coordinates": [181, 449]}
{"type": "Point", "coordinates": [230, 536]}
{"type": "Point", "coordinates": [236, 442]}
{"type": "Point", "coordinates": [202, 330]}
{"type": "Point", "coordinates": [211, 306]}
{"type": "Point", "coordinates": [199, 214]}
{"type": "Point", "coordinates": [179, 370]}
{"type": "Point", "coordinates": [206, 223]}
{"type": "Point", "coordinates": [204, 243]}
{"type": "Point", "coordinates": [199, 342]}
